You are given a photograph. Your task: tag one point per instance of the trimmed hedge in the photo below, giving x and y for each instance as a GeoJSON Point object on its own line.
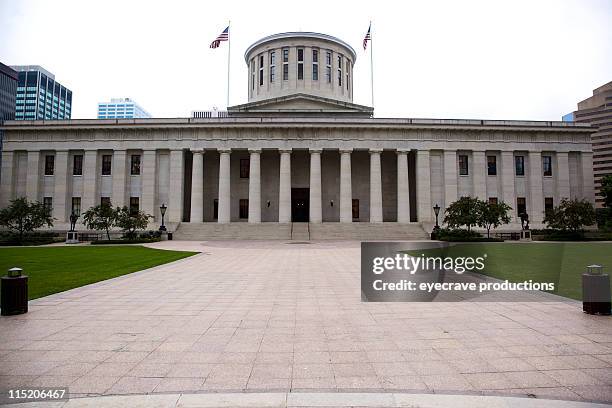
{"type": "Point", "coordinates": [33, 238]}
{"type": "Point", "coordinates": [560, 235]}
{"type": "Point", "coordinates": [125, 241]}
{"type": "Point", "coordinates": [462, 235]}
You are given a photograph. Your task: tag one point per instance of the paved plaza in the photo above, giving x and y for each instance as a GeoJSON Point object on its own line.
{"type": "Point", "coordinates": [287, 317]}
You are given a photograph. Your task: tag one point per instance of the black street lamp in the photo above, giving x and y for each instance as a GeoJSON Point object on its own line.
{"type": "Point", "coordinates": [162, 210]}
{"type": "Point", "coordinates": [436, 228]}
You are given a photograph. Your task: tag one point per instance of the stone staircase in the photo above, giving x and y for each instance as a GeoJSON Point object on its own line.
{"type": "Point", "coordinates": [237, 230]}
{"type": "Point", "coordinates": [388, 231]}
{"type": "Point", "coordinates": [300, 231]}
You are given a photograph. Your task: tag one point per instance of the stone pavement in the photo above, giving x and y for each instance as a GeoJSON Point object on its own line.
{"type": "Point", "coordinates": [279, 317]}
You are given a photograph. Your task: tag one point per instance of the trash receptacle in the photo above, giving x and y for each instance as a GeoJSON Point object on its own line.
{"type": "Point", "coordinates": [14, 293]}
{"type": "Point", "coordinates": [596, 291]}
{"type": "Point", "coordinates": [169, 236]}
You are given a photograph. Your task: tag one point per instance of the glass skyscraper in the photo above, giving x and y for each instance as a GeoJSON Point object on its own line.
{"type": "Point", "coordinates": [121, 108]}
{"type": "Point", "coordinates": [8, 90]}
{"type": "Point", "coordinates": [40, 96]}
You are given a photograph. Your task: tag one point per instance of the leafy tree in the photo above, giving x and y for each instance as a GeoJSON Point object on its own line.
{"type": "Point", "coordinates": [606, 190]}
{"type": "Point", "coordinates": [129, 221]}
{"type": "Point", "coordinates": [570, 215]}
{"type": "Point", "coordinates": [462, 212]}
{"type": "Point", "coordinates": [492, 215]}
{"type": "Point", "coordinates": [101, 217]}
{"type": "Point", "coordinates": [23, 216]}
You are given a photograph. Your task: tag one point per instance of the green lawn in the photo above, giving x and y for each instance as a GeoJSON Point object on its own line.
{"type": "Point", "coordinates": [56, 269]}
{"type": "Point", "coordinates": [560, 262]}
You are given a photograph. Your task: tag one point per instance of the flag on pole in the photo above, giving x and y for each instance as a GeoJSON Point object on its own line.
{"type": "Point", "coordinates": [367, 38]}
{"type": "Point", "coordinates": [224, 36]}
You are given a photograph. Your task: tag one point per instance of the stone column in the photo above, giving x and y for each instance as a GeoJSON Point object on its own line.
{"type": "Point", "coordinates": [119, 178]}
{"type": "Point", "coordinates": [315, 186]}
{"type": "Point", "coordinates": [6, 182]}
{"type": "Point", "coordinates": [148, 171]}
{"type": "Point", "coordinates": [346, 195]}
{"type": "Point", "coordinates": [90, 180]}
{"type": "Point", "coordinates": [376, 214]}
{"type": "Point", "coordinates": [284, 190]}
{"type": "Point", "coordinates": [61, 185]}
{"type": "Point", "coordinates": [536, 212]}
{"type": "Point", "coordinates": [224, 215]}
{"type": "Point", "coordinates": [254, 186]}
{"type": "Point", "coordinates": [197, 186]}
{"type": "Point", "coordinates": [450, 177]}
{"type": "Point", "coordinates": [588, 182]}
{"type": "Point", "coordinates": [423, 181]}
{"type": "Point", "coordinates": [175, 193]}
{"type": "Point", "coordinates": [403, 187]}
{"type": "Point", "coordinates": [563, 176]}
{"type": "Point", "coordinates": [33, 175]}
{"type": "Point", "coordinates": [479, 174]}
{"type": "Point", "coordinates": [507, 177]}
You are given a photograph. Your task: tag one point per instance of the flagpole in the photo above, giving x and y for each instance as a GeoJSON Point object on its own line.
{"type": "Point", "coordinates": [229, 42]}
{"type": "Point", "coordinates": [372, 62]}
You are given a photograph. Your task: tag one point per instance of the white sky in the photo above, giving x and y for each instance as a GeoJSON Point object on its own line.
{"type": "Point", "coordinates": [490, 59]}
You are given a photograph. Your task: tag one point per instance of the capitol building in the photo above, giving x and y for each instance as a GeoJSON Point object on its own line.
{"type": "Point", "coordinates": [298, 160]}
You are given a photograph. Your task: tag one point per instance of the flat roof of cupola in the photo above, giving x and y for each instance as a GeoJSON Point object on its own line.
{"type": "Point", "coordinates": [300, 34]}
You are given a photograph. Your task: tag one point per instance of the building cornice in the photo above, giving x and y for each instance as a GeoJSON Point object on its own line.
{"type": "Point", "coordinates": [299, 34]}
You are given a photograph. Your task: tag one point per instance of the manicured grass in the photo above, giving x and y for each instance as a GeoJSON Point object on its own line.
{"type": "Point", "coordinates": [560, 262]}
{"type": "Point", "coordinates": [57, 269]}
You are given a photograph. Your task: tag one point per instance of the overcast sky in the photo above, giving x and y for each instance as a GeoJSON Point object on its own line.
{"type": "Point", "coordinates": [435, 59]}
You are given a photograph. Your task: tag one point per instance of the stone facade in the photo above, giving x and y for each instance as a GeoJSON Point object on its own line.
{"type": "Point", "coordinates": [296, 156]}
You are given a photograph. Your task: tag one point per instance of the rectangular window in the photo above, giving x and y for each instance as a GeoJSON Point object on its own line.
{"type": "Point", "coordinates": [135, 165]}
{"type": "Point", "coordinates": [492, 165]}
{"type": "Point", "coordinates": [261, 70]}
{"type": "Point", "coordinates": [547, 166]}
{"type": "Point", "coordinates": [77, 165]}
{"type": "Point", "coordinates": [215, 209]}
{"type": "Point", "coordinates": [105, 201]}
{"type": "Point", "coordinates": [244, 208]}
{"type": "Point", "coordinates": [328, 72]}
{"type": "Point", "coordinates": [244, 168]}
{"type": "Point", "coordinates": [519, 165]}
{"type": "Point", "coordinates": [49, 164]}
{"type": "Point", "coordinates": [339, 70]}
{"type": "Point", "coordinates": [548, 204]}
{"type": "Point", "coordinates": [355, 209]}
{"type": "Point", "coordinates": [521, 207]}
{"type": "Point", "coordinates": [272, 66]}
{"type": "Point", "coordinates": [48, 203]}
{"type": "Point", "coordinates": [252, 74]}
{"type": "Point", "coordinates": [300, 63]}
{"type": "Point", "coordinates": [463, 165]}
{"type": "Point", "coordinates": [348, 69]}
{"type": "Point", "coordinates": [107, 161]}
{"type": "Point", "coordinates": [134, 205]}
{"type": "Point", "coordinates": [492, 200]}
{"type": "Point", "coordinates": [285, 64]}
{"type": "Point", "coordinates": [315, 65]}
{"type": "Point", "coordinates": [76, 205]}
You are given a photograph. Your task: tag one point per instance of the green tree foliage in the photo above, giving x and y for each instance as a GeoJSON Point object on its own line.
{"type": "Point", "coordinates": [129, 221]}
{"type": "Point", "coordinates": [570, 215]}
{"type": "Point", "coordinates": [606, 190]}
{"type": "Point", "coordinates": [492, 215]}
{"type": "Point", "coordinates": [23, 216]}
{"type": "Point", "coordinates": [101, 218]}
{"type": "Point", "coordinates": [462, 212]}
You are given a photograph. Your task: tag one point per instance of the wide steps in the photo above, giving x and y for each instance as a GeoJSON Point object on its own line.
{"type": "Point", "coordinates": [239, 230]}
{"type": "Point", "coordinates": [366, 231]}
{"type": "Point", "coordinates": [300, 231]}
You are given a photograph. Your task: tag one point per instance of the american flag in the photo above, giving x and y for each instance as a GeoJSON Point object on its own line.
{"type": "Point", "coordinates": [224, 36]}
{"type": "Point", "coordinates": [367, 38]}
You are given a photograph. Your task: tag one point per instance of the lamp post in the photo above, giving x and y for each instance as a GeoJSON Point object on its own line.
{"type": "Point", "coordinates": [162, 210]}
{"type": "Point", "coordinates": [434, 233]}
